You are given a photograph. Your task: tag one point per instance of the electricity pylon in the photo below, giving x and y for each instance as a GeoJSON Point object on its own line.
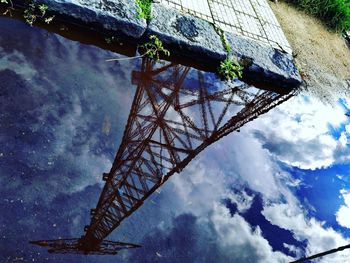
{"type": "Point", "coordinates": [172, 119]}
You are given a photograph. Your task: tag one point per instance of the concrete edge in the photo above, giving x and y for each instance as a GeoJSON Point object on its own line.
{"type": "Point", "coordinates": [119, 17]}
{"type": "Point", "coordinates": [185, 35]}
{"type": "Point", "coordinates": [265, 64]}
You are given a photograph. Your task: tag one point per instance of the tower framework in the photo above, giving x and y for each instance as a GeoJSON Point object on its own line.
{"type": "Point", "coordinates": [172, 119]}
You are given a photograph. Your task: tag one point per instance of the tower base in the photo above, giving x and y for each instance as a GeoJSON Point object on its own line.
{"type": "Point", "coordinates": [74, 246]}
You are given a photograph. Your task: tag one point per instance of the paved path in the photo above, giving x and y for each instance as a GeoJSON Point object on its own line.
{"type": "Point", "coordinates": [253, 19]}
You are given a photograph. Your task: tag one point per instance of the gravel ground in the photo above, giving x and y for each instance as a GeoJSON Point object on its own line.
{"type": "Point", "coordinates": [322, 55]}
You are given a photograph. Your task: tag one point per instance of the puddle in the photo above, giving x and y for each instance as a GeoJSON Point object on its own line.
{"type": "Point", "coordinates": [270, 191]}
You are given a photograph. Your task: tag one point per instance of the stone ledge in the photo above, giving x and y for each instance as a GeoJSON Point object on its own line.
{"type": "Point", "coordinates": [195, 38]}
{"type": "Point", "coordinates": [116, 16]}
{"type": "Point", "coordinates": [187, 35]}
{"type": "Point", "coordinates": [265, 64]}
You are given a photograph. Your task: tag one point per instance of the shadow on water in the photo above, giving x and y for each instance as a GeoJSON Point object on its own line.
{"type": "Point", "coordinates": [75, 32]}
{"type": "Point", "coordinates": [90, 36]}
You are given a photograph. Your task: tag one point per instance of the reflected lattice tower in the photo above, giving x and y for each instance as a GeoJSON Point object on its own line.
{"type": "Point", "coordinates": [172, 119]}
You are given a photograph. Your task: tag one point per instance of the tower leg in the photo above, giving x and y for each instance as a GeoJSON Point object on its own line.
{"type": "Point", "coordinates": [76, 246]}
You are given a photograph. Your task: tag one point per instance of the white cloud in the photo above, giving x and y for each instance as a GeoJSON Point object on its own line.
{"type": "Point", "coordinates": [345, 136]}
{"type": "Point", "coordinates": [241, 159]}
{"type": "Point", "coordinates": [238, 161]}
{"type": "Point", "coordinates": [343, 148]}
{"type": "Point", "coordinates": [318, 237]}
{"type": "Point", "coordinates": [240, 241]}
{"type": "Point", "coordinates": [63, 112]}
{"type": "Point", "coordinates": [293, 249]}
{"type": "Point", "coordinates": [242, 199]}
{"type": "Point", "coordinates": [16, 62]}
{"type": "Point", "coordinates": [300, 135]}
{"type": "Point", "coordinates": [199, 186]}
{"type": "Point", "coordinates": [343, 214]}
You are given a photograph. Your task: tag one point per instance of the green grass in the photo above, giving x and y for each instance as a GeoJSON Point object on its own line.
{"type": "Point", "coordinates": [144, 10]}
{"type": "Point", "coordinates": [230, 69]}
{"type": "Point", "coordinates": [334, 13]}
{"type": "Point", "coordinates": [154, 48]}
{"type": "Point", "coordinates": [224, 41]}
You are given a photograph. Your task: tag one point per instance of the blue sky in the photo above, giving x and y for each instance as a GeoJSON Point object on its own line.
{"type": "Point", "coordinates": [273, 192]}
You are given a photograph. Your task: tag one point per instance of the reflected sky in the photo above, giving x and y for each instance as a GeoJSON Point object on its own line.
{"type": "Point", "coordinates": [274, 191]}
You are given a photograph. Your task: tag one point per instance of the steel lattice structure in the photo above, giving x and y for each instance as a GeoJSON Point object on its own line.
{"type": "Point", "coordinates": [171, 121]}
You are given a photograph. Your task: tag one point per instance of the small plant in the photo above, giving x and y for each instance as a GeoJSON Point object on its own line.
{"type": "Point", "coordinates": [230, 69]}
{"type": "Point", "coordinates": [144, 9]}
{"type": "Point", "coordinates": [9, 9]}
{"type": "Point", "coordinates": [43, 8]}
{"type": "Point", "coordinates": [29, 14]}
{"type": "Point", "coordinates": [33, 12]}
{"type": "Point", "coordinates": [154, 48]}
{"type": "Point", "coordinates": [224, 41]}
{"type": "Point", "coordinates": [48, 20]}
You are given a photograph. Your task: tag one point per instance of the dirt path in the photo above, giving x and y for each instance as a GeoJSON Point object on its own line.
{"type": "Point", "coordinates": [322, 55]}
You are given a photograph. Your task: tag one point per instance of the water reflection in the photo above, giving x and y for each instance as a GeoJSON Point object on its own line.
{"type": "Point", "coordinates": [258, 195]}
{"type": "Point", "coordinates": [170, 123]}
